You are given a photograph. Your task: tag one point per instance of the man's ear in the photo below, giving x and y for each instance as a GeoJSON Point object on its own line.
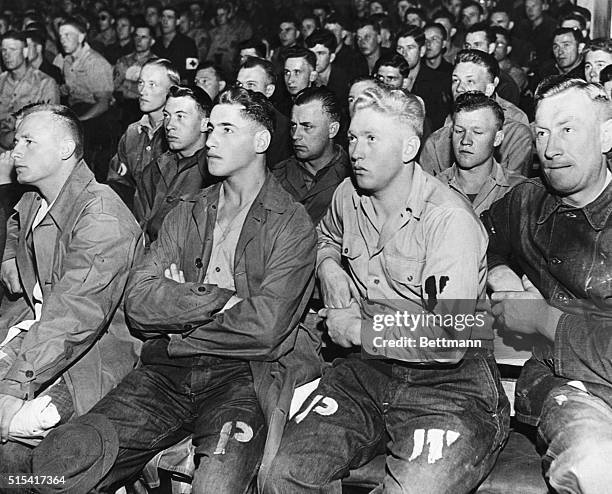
{"type": "Point", "coordinates": [81, 38]}
{"type": "Point", "coordinates": [490, 89]}
{"type": "Point", "coordinates": [491, 48]}
{"type": "Point", "coordinates": [606, 136]}
{"type": "Point", "coordinates": [332, 58]}
{"type": "Point", "coordinates": [509, 49]}
{"type": "Point", "coordinates": [453, 31]}
{"type": "Point", "coordinates": [422, 51]}
{"type": "Point", "coordinates": [499, 137]}
{"type": "Point", "coordinates": [334, 127]}
{"type": "Point", "coordinates": [313, 76]}
{"type": "Point", "coordinates": [581, 47]}
{"type": "Point", "coordinates": [204, 124]}
{"type": "Point", "coordinates": [510, 25]}
{"type": "Point", "coordinates": [67, 148]}
{"type": "Point", "coordinates": [269, 90]}
{"type": "Point", "coordinates": [262, 141]}
{"type": "Point", "coordinates": [222, 85]}
{"type": "Point", "coordinates": [410, 148]}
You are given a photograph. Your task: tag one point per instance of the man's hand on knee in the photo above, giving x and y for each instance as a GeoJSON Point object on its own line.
{"type": "Point", "coordinates": [337, 288]}
{"type": "Point", "coordinates": [10, 276]}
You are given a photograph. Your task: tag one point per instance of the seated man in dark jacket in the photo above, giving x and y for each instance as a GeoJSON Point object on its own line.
{"type": "Point", "coordinates": [71, 242]}
{"type": "Point", "coordinates": [318, 165]}
{"type": "Point", "coordinates": [219, 295]}
{"type": "Point", "coordinates": [180, 171]}
{"type": "Point", "coordinates": [558, 237]}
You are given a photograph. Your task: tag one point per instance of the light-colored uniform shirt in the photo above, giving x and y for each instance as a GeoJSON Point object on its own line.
{"type": "Point", "coordinates": [433, 247]}
{"type": "Point", "coordinates": [497, 184]}
{"type": "Point", "coordinates": [86, 75]}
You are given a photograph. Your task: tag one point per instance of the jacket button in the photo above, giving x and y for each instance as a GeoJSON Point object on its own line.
{"type": "Point", "coordinates": [217, 269]}
{"type": "Point", "coordinates": [555, 260]}
{"type": "Point", "coordinates": [198, 262]}
{"type": "Point", "coordinates": [214, 206]}
{"type": "Point", "coordinates": [29, 373]}
{"type": "Point", "coordinates": [346, 250]}
{"type": "Point", "coordinates": [201, 289]}
{"type": "Point", "coordinates": [188, 327]}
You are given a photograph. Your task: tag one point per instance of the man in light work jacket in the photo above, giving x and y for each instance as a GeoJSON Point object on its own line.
{"type": "Point", "coordinates": [219, 295]}
{"type": "Point", "coordinates": [70, 246]}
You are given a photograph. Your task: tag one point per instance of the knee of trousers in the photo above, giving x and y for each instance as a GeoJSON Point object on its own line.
{"type": "Point", "coordinates": [81, 451]}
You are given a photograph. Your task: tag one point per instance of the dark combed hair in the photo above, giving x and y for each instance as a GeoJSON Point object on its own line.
{"type": "Point", "coordinates": [197, 94]}
{"type": "Point", "coordinates": [415, 10]}
{"type": "Point", "coordinates": [482, 27]}
{"type": "Point", "coordinates": [76, 23]}
{"type": "Point", "coordinates": [256, 106]}
{"type": "Point", "coordinates": [66, 117]}
{"type": "Point", "coordinates": [328, 100]}
{"type": "Point", "coordinates": [576, 33]}
{"type": "Point", "coordinates": [393, 60]}
{"type": "Point", "coordinates": [15, 35]}
{"type": "Point", "coordinates": [600, 44]}
{"type": "Point", "coordinates": [414, 32]}
{"type": "Point", "coordinates": [503, 32]}
{"type": "Point", "coordinates": [266, 65]}
{"type": "Point", "coordinates": [322, 37]}
{"type": "Point", "coordinates": [475, 100]}
{"type": "Point", "coordinates": [472, 3]}
{"type": "Point", "coordinates": [479, 58]}
{"type": "Point", "coordinates": [299, 52]}
{"type": "Point", "coordinates": [216, 69]}
{"type": "Point", "coordinates": [436, 25]}
{"type": "Point", "coordinates": [368, 21]}
{"type": "Point", "coordinates": [256, 44]}
{"type": "Point", "coordinates": [574, 17]}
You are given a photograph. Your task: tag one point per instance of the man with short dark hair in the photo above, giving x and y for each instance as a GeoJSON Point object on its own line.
{"type": "Point", "coordinates": [318, 165]}
{"type": "Point", "coordinates": [392, 70]}
{"type": "Point", "coordinates": [477, 130]}
{"type": "Point", "coordinates": [124, 27]}
{"type": "Point", "coordinates": [36, 40]}
{"type": "Point", "coordinates": [347, 58]}
{"type": "Point", "coordinates": [175, 46]}
{"type": "Point", "coordinates": [503, 49]}
{"type": "Point", "coordinates": [471, 13]}
{"type": "Point", "coordinates": [323, 44]}
{"type": "Point", "coordinates": [537, 28]}
{"type": "Point", "coordinates": [523, 52]}
{"type": "Point", "coordinates": [431, 86]}
{"type": "Point", "coordinates": [257, 74]}
{"type": "Point", "coordinates": [299, 69]}
{"type": "Point", "coordinates": [556, 235]}
{"type": "Point", "coordinates": [20, 85]}
{"type": "Point", "coordinates": [435, 47]}
{"type": "Point", "coordinates": [597, 56]}
{"type": "Point", "coordinates": [477, 71]}
{"type": "Point", "coordinates": [219, 296]}
{"type": "Point", "coordinates": [182, 169]}
{"type": "Point", "coordinates": [64, 342]}
{"type": "Point", "coordinates": [482, 37]}
{"type": "Point", "coordinates": [567, 48]}
{"type": "Point", "coordinates": [211, 78]}
{"type": "Point", "coordinates": [368, 40]}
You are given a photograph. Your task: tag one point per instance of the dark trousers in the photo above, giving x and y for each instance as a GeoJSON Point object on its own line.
{"type": "Point", "coordinates": [441, 427]}
{"type": "Point", "coordinates": [155, 406]}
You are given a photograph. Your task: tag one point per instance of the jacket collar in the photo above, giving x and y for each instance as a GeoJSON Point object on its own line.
{"type": "Point", "coordinates": [597, 212]}
{"type": "Point", "coordinates": [498, 175]}
{"type": "Point", "coordinates": [60, 211]}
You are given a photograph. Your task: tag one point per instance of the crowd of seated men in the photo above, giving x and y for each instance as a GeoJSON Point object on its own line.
{"type": "Point", "coordinates": [206, 206]}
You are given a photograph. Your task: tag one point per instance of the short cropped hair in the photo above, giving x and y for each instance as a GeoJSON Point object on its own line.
{"type": "Point", "coordinates": [475, 100]}
{"type": "Point", "coordinates": [481, 58]}
{"type": "Point", "coordinates": [557, 84]}
{"type": "Point", "coordinates": [66, 118]}
{"type": "Point", "coordinates": [256, 44]}
{"type": "Point", "coordinates": [322, 37]}
{"type": "Point", "coordinates": [393, 60]}
{"type": "Point", "coordinates": [75, 23]}
{"type": "Point", "coordinates": [482, 27]}
{"type": "Point", "coordinates": [576, 33]}
{"type": "Point", "coordinates": [14, 35]}
{"type": "Point", "coordinates": [444, 14]}
{"type": "Point", "coordinates": [256, 106]}
{"type": "Point", "coordinates": [299, 52]}
{"type": "Point", "coordinates": [197, 94]}
{"type": "Point", "coordinates": [219, 74]}
{"type": "Point", "coordinates": [368, 21]}
{"type": "Point", "coordinates": [415, 10]}
{"type": "Point", "coordinates": [472, 3]}
{"type": "Point", "coordinates": [405, 107]}
{"type": "Point", "coordinates": [600, 44]}
{"type": "Point", "coordinates": [574, 17]}
{"type": "Point", "coordinates": [436, 25]}
{"type": "Point", "coordinates": [268, 67]}
{"type": "Point", "coordinates": [328, 100]}
{"type": "Point", "coordinates": [164, 63]}
{"type": "Point", "coordinates": [414, 32]}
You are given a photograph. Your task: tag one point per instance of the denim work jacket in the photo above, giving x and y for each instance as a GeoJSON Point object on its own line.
{"type": "Point", "coordinates": [273, 275]}
{"type": "Point", "coordinates": [567, 254]}
{"type": "Point", "coordinates": [81, 253]}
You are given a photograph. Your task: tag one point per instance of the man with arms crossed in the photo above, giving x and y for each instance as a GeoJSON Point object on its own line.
{"type": "Point", "coordinates": [401, 234]}
{"type": "Point", "coordinates": [219, 295]}
{"type": "Point", "coordinates": [559, 237]}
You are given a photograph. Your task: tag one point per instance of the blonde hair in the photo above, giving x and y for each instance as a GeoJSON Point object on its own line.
{"type": "Point", "coordinates": [405, 107]}
{"type": "Point", "coordinates": [554, 85]}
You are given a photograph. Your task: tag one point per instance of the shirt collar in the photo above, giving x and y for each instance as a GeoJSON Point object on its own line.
{"type": "Point", "coordinates": [597, 212]}
{"type": "Point", "coordinates": [145, 125]}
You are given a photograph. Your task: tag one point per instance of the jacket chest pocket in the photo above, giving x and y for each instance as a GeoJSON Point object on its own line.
{"type": "Point", "coordinates": [404, 273]}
